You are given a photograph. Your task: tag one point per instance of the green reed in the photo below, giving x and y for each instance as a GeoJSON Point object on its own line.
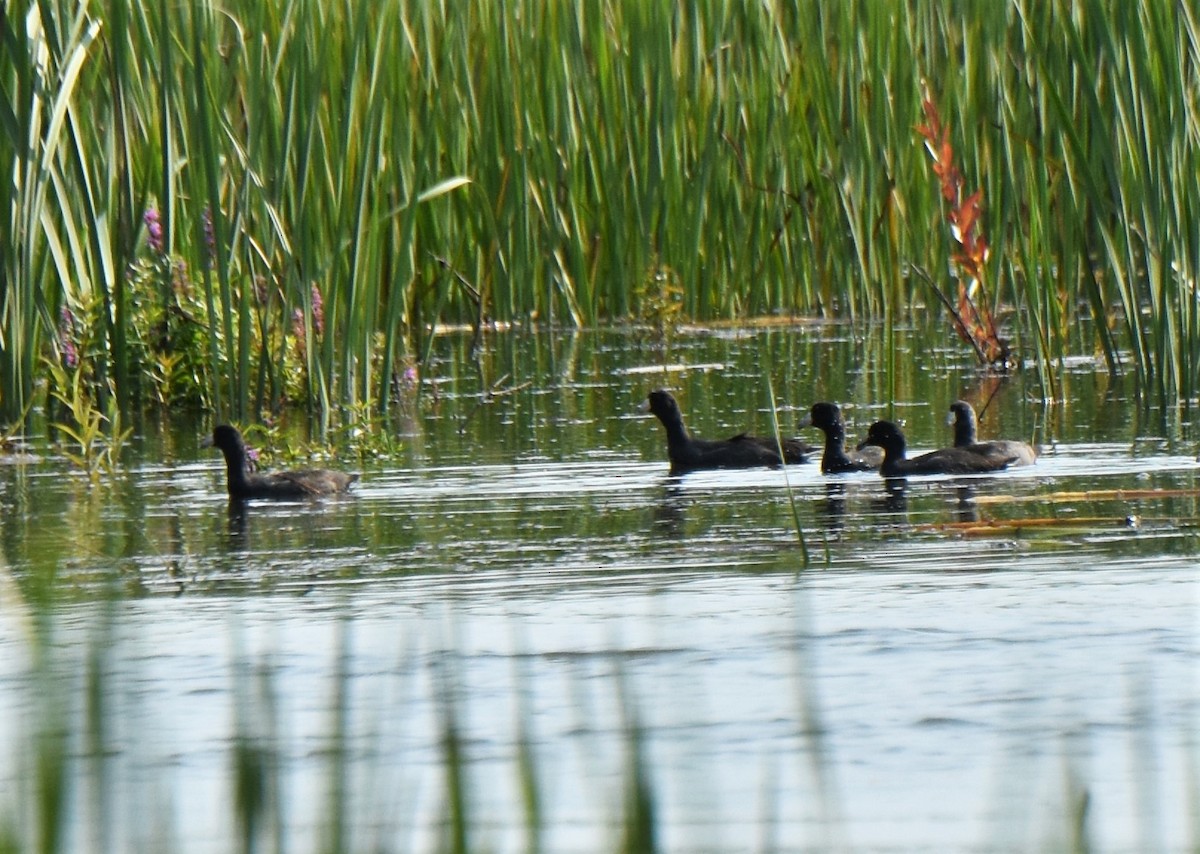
{"type": "Point", "coordinates": [805, 558]}
{"type": "Point", "coordinates": [37, 245]}
{"type": "Point", "coordinates": [763, 157]}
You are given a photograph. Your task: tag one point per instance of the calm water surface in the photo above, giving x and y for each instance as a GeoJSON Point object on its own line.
{"type": "Point", "coordinates": [966, 660]}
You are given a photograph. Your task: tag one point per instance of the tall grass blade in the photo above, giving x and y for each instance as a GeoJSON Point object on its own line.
{"type": "Point", "coordinates": [805, 560]}
{"type": "Point", "coordinates": [639, 820]}
{"type": "Point", "coordinates": [338, 797]}
{"type": "Point", "coordinates": [454, 763]}
{"type": "Point", "coordinates": [528, 782]}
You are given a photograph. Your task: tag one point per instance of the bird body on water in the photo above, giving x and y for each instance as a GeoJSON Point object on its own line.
{"type": "Point", "coordinates": [887, 435]}
{"type": "Point", "coordinates": [827, 418]}
{"type": "Point", "coordinates": [740, 451]}
{"type": "Point", "coordinates": [962, 416]}
{"type": "Point", "coordinates": [244, 483]}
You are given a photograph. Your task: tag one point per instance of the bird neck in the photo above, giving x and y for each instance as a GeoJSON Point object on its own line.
{"type": "Point", "coordinates": [894, 450]}
{"type": "Point", "coordinates": [235, 468]}
{"type": "Point", "coordinates": [964, 432]}
{"type": "Point", "coordinates": [677, 434]}
{"type": "Point", "coordinates": [835, 446]}
{"type": "Point", "coordinates": [893, 464]}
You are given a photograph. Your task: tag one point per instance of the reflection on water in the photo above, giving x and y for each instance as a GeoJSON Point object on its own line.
{"type": "Point", "coordinates": [965, 508]}
{"type": "Point", "coordinates": [965, 643]}
{"type": "Point", "coordinates": [238, 538]}
{"type": "Point", "coordinates": [671, 508]}
{"type": "Point", "coordinates": [895, 499]}
{"type": "Point", "coordinates": [832, 511]}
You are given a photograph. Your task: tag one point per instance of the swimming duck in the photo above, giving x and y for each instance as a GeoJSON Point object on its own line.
{"type": "Point", "coordinates": [886, 435]}
{"type": "Point", "coordinates": [243, 483]}
{"type": "Point", "coordinates": [962, 416]}
{"type": "Point", "coordinates": [827, 418]}
{"type": "Point", "coordinates": [740, 451]}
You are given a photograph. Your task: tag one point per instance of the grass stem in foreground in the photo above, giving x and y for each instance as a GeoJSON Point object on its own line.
{"type": "Point", "coordinates": [806, 560]}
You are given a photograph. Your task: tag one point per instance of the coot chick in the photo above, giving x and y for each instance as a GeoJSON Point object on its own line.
{"type": "Point", "coordinates": [243, 483]}
{"type": "Point", "coordinates": [962, 416]}
{"type": "Point", "coordinates": [740, 451]}
{"type": "Point", "coordinates": [827, 418]}
{"type": "Point", "coordinates": [886, 435]}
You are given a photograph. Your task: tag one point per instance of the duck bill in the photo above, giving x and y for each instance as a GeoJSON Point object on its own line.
{"type": "Point", "coordinates": [805, 421]}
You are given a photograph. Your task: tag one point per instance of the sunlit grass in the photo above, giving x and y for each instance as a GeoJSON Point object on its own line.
{"type": "Point", "coordinates": [308, 165]}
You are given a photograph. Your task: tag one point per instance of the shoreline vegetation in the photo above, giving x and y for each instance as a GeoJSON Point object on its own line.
{"type": "Point", "coordinates": [273, 205]}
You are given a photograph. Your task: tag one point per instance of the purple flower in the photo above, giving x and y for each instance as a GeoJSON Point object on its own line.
{"type": "Point", "coordinates": [410, 375]}
{"type": "Point", "coordinates": [154, 231]}
{"type": "Point", "coordinates": [66, 339]}
{"type": "Point", "coordinates": [298, 328]}
{"type": "Point", "coordinates": [210, 237]}
{"type": "Point", "coordinates": [318, 310]}
{"type": "Point", "coordinates": [179, 277]}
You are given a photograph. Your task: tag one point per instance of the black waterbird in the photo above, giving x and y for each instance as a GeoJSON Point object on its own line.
{"type": "Point", "coordinates": [740, 451]}
{"type": "Point", "coordinates": [962, 416]}
{"type": "Point", "coordinates": [886, 435]}
{"type": "Point", "coordinates": [244, 483]}
{"type": "Point", "coordinates": [827, 418]}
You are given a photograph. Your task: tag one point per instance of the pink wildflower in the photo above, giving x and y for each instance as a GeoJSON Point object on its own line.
{"type": "Point", "coordinates": [66, 339]}
{"type": "Point", "coordinates": [318, 310]}
{"type": "Point", "coordinates": [154, 230]}
{"type": "Point", "coordinates": [210, 237]}
{"type": "Point", "coordinates": [298, 329]}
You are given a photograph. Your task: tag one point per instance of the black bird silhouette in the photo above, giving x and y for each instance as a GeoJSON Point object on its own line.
{"type": "Point", "coordinates": [886, 435]}
{"type": "Point", "coordinates": [740, 451]}
{"type": "Point", "coordinates": [827, 418]}
{"type": "Point", "coordinates": [244, 483]}
{"type": "Point", "coordinates": [962, 416]}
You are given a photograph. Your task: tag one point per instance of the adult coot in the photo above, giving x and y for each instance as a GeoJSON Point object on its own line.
{"type": "Point", "coordinates": [827, 418]}
{"type": "Point", "coordinates": [740, 451]}
{"type": "Point", "coordinates": [962, 416]}
{"type": "Point", "coordinates": [243, 483]}
{"type": "Point", "coordinates": [886, 435]}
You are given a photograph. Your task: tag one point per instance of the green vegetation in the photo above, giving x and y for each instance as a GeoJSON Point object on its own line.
{"type": "Point", "coordinates": [250, 206]}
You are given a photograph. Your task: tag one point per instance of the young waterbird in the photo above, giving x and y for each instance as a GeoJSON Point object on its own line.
{"type": "Point", "coordinates": [886, 435]}
{"type": "Point", "coordinates": [962, 416]}
{"type": "Point", "coordinates": [244, 483]}
{"type": "Point", "coordinates": [827, 418]}
{"type": "Point", "coordinates": [740, 451]}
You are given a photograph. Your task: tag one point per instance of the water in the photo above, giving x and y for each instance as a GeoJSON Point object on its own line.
{"type": "Point", "coordinates": [964, 662]}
